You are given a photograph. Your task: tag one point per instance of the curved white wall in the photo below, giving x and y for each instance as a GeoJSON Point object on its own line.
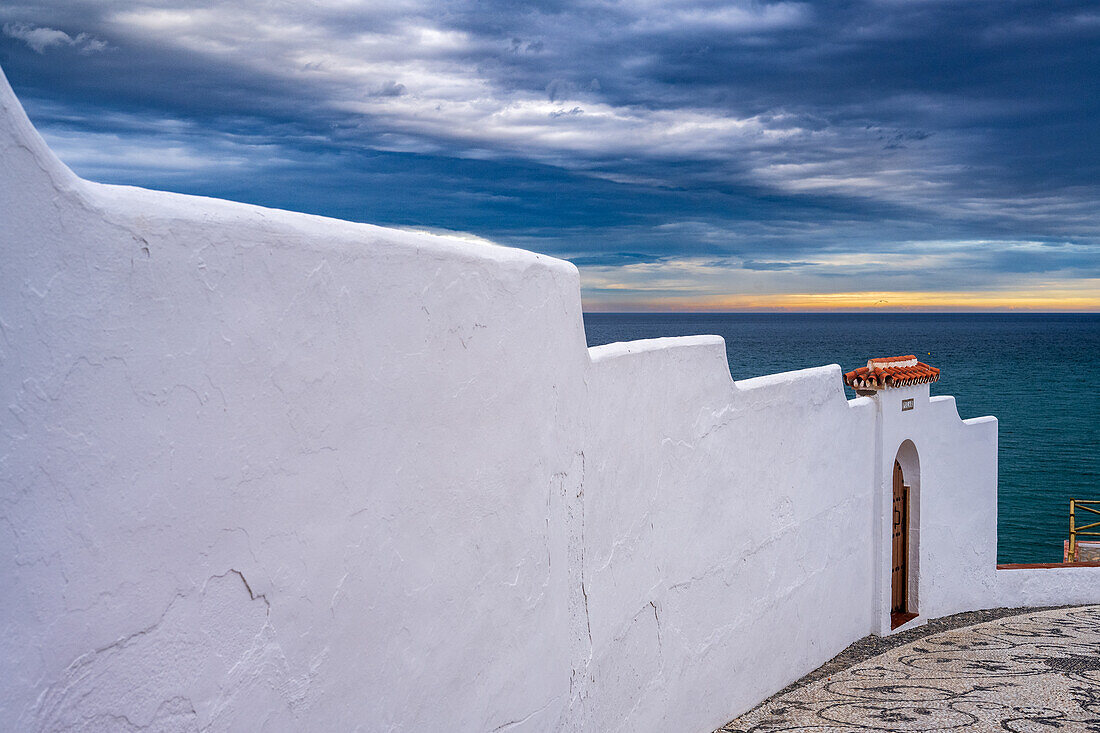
{"type": "Point", "coordinates": [263, 470]}
{"type": "Point", "coordinates": [266, 470]}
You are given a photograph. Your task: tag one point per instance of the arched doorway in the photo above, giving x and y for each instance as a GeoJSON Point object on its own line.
{"type": "Point", "coordinates": [904, 535]}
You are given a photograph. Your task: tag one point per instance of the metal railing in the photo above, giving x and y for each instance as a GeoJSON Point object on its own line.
{"type": "Point", "coordinates": [1085, 530]}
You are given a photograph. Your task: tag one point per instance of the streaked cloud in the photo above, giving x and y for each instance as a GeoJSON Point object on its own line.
{"type": "Point", "coordinates": [41, 38]}
{"type": "Point", "coordinates": [676, 18]}
{"type": "Point", "coordinates": [1029, 274]}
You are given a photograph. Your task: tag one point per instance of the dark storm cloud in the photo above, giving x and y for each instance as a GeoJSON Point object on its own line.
{"type": "Point", "coordinates": [883, 141]}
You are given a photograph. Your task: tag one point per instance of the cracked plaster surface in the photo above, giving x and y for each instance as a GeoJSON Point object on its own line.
{"type": "Point", "coordinates": [215, 644]}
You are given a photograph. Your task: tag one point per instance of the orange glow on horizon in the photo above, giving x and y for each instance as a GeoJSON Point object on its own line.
{"type": "Point", "coordinates": [1058, 300]}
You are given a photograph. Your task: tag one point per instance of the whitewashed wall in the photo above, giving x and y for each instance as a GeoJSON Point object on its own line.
{"type": "Point", "coordinates": [955, 512]}
{"type": "Point", "coordinates": [952, 466]}
{"type": "Point", "coordinates": [263, 470]}
{"type": "Point", "coordinates": [269, 471]}
{"type": "Point", "coordinates": [726, 532]}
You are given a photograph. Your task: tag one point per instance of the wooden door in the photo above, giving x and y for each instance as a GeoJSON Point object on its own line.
{"type": "Point", "coordinates": [899, 576]}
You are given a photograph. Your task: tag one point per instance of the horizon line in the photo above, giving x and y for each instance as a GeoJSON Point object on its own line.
{"type": "Point", "coordinates": [1054, 297]}
{"type": "Point", "coordinates": [864, 311]}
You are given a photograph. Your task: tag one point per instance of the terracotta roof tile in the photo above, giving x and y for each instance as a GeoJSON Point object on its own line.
{"type": "Point", "coordinates": [890, 371]}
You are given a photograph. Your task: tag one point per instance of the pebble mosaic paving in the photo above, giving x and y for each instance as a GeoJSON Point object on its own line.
{"type": "Point", "coordinates": [1038, 671]}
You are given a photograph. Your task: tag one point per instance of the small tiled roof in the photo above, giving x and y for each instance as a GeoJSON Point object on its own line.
{"type": "Point", "coordinates": [892, 371]}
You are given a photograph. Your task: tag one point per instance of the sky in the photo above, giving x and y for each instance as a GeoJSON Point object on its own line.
{"type": "Point", "coordinates": [686, 155]}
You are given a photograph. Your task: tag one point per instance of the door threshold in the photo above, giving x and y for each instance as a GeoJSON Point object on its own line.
{"type": "Point", "coordinates": [897, 619]}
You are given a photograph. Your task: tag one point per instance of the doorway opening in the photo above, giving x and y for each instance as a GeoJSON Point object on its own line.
{"type": "Point", "coordinates": [904, 536]}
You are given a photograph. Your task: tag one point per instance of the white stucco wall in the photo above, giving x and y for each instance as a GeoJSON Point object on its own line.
{"type": "Point", "coordinates": [953, 507]}
{"type": "Point", "coordinates": [262, 470]}
{"type": "Point", "coordinates": [726, 529]}
{"type": "Point", "coordinates": [269, 471]}
{"type": "Point", "coordinates": [955, 513]}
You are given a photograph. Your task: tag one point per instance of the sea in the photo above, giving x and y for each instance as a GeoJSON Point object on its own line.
{"type": "Point", "coordinates": [1035, 372]}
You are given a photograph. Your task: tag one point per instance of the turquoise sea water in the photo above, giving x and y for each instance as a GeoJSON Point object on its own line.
{"type": "Point", "coordinates": [1035, 372]}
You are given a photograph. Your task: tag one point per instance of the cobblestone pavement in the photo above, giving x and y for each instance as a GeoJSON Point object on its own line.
{"type": "Point", "coordinates": [1035, 671]}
